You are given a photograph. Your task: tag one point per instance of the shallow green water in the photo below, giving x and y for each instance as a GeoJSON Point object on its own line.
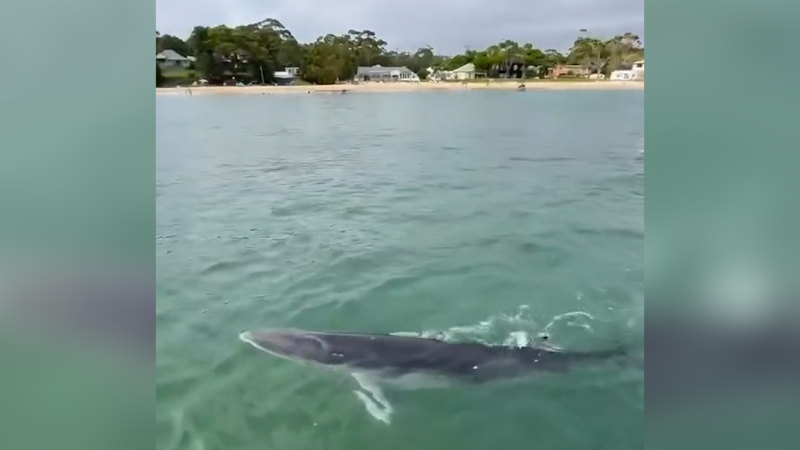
{"type": "Point", "coordinates": [471, 215]}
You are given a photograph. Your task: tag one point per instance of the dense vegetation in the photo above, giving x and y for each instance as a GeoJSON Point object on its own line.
{"type": "Point", "coordinates": [253, 52]}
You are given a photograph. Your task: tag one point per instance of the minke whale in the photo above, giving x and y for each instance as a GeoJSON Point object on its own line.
{"type": "Point", "coordinates": [374, 359]}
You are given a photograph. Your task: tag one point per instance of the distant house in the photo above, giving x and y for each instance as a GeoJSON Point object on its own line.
{"type": "Point", "coordinates": [439, 75]}
{"type": "Point", "coordinates": [638, 67]}
{"type": "Point", "coordinates": [380, 73]}
{"type": "Point", "coordinates": [561, 70]}
{"type": "Point", "coordinates": [466, 72]}
{"type": "Point", "coordinates": [623, 75]}
{"type": "Point", "coordinates": [293, 71]}
{"type": "Point", "coordinates": [283, 78]}
{"type": "Point", "coordinates": [170, 59]}
{"type": "Point", "coordinates": [511, 68]}
{"type": "Point", "coordinates": [635, 73]}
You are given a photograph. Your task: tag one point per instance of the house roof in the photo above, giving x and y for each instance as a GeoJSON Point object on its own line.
{"type": "Point", "coordinates": [362, 70]}
{"type": "Point", "coordinates": [170, 55]}
{"type": "Point", "coordinates": [466, 68]}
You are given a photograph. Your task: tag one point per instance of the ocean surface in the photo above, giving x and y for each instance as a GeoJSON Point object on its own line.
{"type": "Point", "coordinates": [500, 217]}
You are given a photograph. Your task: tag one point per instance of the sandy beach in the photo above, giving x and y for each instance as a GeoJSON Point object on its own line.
{"type": "Point", "coordinates": [399, 87]}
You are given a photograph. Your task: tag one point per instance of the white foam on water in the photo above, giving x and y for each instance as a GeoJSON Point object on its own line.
{"type": "Point", "coordinates": [519, 329]}
{"type": "Point", "coordinates": [492, 331]}
{"type": "Point", "coordinates": [575, 322]}
{"type": "Point", "coordinates": [518, 339]}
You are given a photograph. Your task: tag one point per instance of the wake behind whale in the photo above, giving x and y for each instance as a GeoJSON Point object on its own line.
{"type": "Point", "coordinates": [374, 359]}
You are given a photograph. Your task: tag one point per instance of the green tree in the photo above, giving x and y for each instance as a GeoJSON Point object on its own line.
{"type": "Point", "coordinates": [273, 25]}
{"type": "Point", "coordinates": [207, 63]}
{"type": "Point", "coordinates": [533, 56]}
{"type": "Point", "coordinates": [366, 45]}
{"type": "Point", "coordinates": [330, 59]}
{"type": "Point", "coordinates": [623, 51]}
{"type": "Point", "coordinates": [291, 54]}
{"type": "Point", "coordinates": [482, 61]}
{"type": "Point", "coordinates": [591, 53]}
{"type": "Point", "coordinates": [554, 56]}
{"type": "Point", "coordinates": [169, 42]}
{"type": "Point", "coordinates": [269, 43]}
{"type": "Point", "coordinates": [425, 57]}
{"type": "Point", "coordinates": [248, 51]}
{"type": "Point", "coordinates": [457, 61]}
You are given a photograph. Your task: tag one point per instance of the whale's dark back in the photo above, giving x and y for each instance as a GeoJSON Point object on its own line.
{"type": "Point", "coordinates": [469, 359]}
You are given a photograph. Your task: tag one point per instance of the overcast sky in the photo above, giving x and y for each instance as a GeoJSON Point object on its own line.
{"type": "Point", "coordinates": [450, 26]}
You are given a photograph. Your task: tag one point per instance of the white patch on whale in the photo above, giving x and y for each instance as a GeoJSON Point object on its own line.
{"type": "Point", "coordinates": [373, 408]}
{"type": "Point", "coordinates": [376, 403]}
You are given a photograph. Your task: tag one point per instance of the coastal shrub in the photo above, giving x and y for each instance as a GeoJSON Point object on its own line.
{"type": "Point", "coordinates": [159, 76]}
{"type": "Point", "coordinates": [246, 51]}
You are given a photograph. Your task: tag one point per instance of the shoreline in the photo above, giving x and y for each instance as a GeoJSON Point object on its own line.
{"type": "Point", "coordinates": [401, 87]}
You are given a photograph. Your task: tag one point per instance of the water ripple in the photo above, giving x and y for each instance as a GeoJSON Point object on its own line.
{"type": "Point", "coordinates": [378, 213]}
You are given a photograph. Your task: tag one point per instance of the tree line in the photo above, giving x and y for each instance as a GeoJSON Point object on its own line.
{"type": "Point", "coordinates": [253, 52]}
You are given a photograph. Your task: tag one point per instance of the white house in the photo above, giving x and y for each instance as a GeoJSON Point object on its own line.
{"type": "Point", "coordinates": [636, 73]}
{"type": "Point", "coordinates": [638, 68]}
{"type": "Point", "coordinates": [623, 75]}
{"type": "Point", "coordinates": [439, 75]}
{"type": "Point", "coordinates": [465, 72]}
{"type": "Point", "coordinates": [283, 78]}
{"type": "Point", "coordinates": [380, 73]}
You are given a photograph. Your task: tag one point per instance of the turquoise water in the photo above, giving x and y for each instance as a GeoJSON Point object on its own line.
{"type": "Point", "coordinates": [467, 215]}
